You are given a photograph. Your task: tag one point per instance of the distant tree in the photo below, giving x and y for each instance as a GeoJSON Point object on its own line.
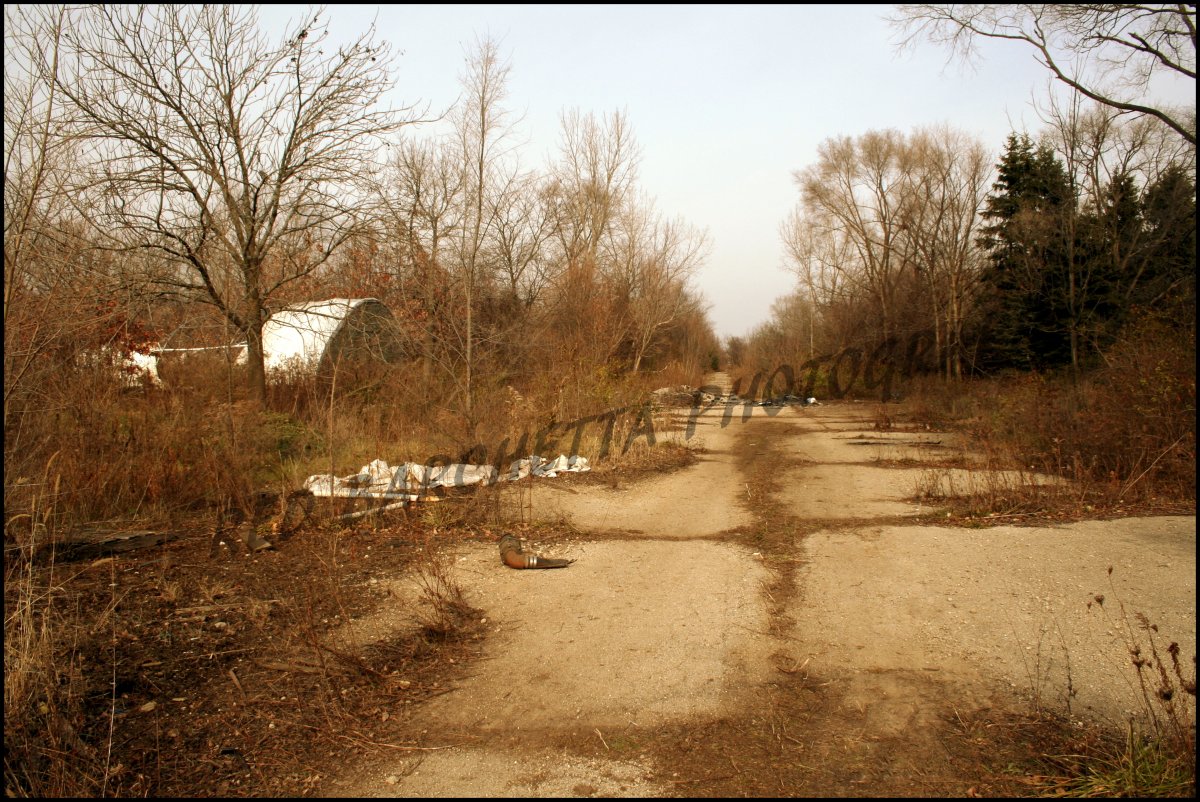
{"type": "Point", "coordinates": [822, 262]}
{"type": "Point", "coordinates": [883, 239]}
{"type": "Point", "coordinates": [589, 190]}
{"type": "Point", "coordinates": [950, 174]}
{"type": "Point", "coordinates": [1108, 52]}
{"type": "Point", "coordinates": [483, 127]}
{"type": "Point", "coordinates": [859, 191]}
{"type": "Point", "coordinates": [522, 227]}
{"type": "Point", "coordinates": [735, 351]}
{"type": "Point", "coordinates": [1106, 245]}
{"type": "Point", "coordinates": [420, 212]}
{"type": "Point", "coordinates": [592, 181]}
{"type": "Point", "coordinates": [692, 343]}
{"type": "Point", "coordinates": [237, 159]}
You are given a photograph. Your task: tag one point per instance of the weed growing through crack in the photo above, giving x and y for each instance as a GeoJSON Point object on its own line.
{"type": "Point", "coordinates": [1040, 667]}
{"type": "Point", "coordinates": [1167, 690]}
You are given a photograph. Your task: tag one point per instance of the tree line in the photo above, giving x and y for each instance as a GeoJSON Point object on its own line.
{"type": "Point", "coordinates": [173, 173]}
{"type": "Point", "coordinates": [1037, 262]}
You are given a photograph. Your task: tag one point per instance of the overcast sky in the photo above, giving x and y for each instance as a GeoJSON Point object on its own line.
{"type": "Point", "coordinates": [725, 101]}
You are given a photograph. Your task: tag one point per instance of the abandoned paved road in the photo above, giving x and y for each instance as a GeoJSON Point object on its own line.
{"type": "Point", "coordinates": [668, 618]}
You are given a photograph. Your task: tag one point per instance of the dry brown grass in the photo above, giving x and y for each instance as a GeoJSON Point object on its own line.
{"type": "Point", "coordinates": [1122, 438]}
{"type": "Point", "coordinates": [180, 674]}
{"type": "Point", "coordinates": [97, 655]}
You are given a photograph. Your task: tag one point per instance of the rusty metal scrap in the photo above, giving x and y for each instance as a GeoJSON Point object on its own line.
{"type": "Point", "coordinates": [513, 555]}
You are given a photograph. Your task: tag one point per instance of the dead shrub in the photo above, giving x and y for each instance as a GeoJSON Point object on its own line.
{"type": "Point", "coordinates": [444, 609]}
{"type": "Point", "coordinates": [1128, 430]}
{"type": "Point", "coordinates": [1124, 433]}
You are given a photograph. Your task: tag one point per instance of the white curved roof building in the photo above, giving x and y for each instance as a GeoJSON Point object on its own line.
{"type": "Point", "coordinates": [306, 335]}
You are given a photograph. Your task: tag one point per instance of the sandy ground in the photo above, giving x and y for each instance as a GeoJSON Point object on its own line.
{"type": "Point", "coordinates": [1004, 604]}
{"type": "Point", "coordinates": [664, 618]}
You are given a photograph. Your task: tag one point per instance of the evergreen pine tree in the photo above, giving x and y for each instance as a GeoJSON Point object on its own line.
{"type": "Point", "coordinates": [1167, 284]}
{"type": "Point", "coordinates": [1022, 284]}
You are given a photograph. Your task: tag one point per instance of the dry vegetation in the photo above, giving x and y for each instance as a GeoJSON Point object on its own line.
{"type": "Point", "coordinates": [193, 666]}
{"type": "Point", "coordinates": [1123, 439]}
{"type": "Point", "coordinates": [525, 300]}
{"type": "Point", "coordinates": [177, 669]}
{"type": "Point", "coordinates": [168, 673]}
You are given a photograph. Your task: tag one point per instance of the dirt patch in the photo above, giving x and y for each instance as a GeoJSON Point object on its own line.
{"type": "Point", "coordinates": [848, 442]}
{"type": "Point", "coordinates": [519, 773]}
{"type": "Point", "coordinates": [610, 640]}
{"type": "Point", "coordinates": [604, 651]}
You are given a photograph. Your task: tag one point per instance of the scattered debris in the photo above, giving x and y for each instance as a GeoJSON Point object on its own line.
{"type": "Point", "coordinates": [788, 400]}
{"type": "Point", "coordinates": [684, 395]}
{"type": "Point", "coordinates": [406, 482]}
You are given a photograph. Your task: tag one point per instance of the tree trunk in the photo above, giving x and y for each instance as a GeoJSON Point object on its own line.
{"type": "Point", "coordinates": [255, 362]}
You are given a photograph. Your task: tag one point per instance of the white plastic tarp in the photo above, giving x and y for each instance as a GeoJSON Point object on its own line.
{"type": "Point", "coordinates": [412, 479]}
{"type": "Point", "coordinates": [406, 481]}
{"type": "Point", "coordinates": [548, 468]}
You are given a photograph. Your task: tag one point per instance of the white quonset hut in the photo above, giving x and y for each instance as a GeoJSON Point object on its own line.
{"type": "Point", "coordinates": [308, 337]}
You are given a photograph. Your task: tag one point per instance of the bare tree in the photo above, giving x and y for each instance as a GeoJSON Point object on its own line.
{"type": "Point", "coordinates": [420, 201]}
{"type": "Point", "coordinates": [45, 243]}
{"type": "Point", "coordinates": [483, 127]}
{"type": "Point", "coordinates": [951, 173]}
{"type": "Point", "coordinates": [33, 186]}
{"type": "Point", "coordinates": [649, 264]}
{"type": "Point", "coordinates": [235, 158]}
{"type": "Point", "coordinates": [593, 180]}
{"type": "Point", "coordinates": [859, 190]}
{"type": "Point", "coordinates": [421, 209]}
{"type": "Point", "coordinates": [522, 228]}
{"type": "Point", "coordinates": [891, 220]}
{"type": "Point", "coordinates": [1108, 52]}
{"type": "Point", "coordinates": [823, 264]}
{"type": "Point", "coordinates": [34, 181]}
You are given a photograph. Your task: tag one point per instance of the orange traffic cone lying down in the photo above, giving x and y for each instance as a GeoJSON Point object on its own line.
{"type": "Point", "coordinates": [512, 555]}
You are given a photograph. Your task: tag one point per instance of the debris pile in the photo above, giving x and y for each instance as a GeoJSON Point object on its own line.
{"type": "Point", "coordinates": [547, 468]}
{"type": "Point", "coordinates": [684, 395]}
{"type": "Point", "coordinates": [786, 400]}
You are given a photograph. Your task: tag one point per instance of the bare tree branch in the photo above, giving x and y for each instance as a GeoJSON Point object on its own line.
{"type": "Point", "coordinates": [240, 160]}
{"type": "Point", "coordinates": [1107, 52]}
